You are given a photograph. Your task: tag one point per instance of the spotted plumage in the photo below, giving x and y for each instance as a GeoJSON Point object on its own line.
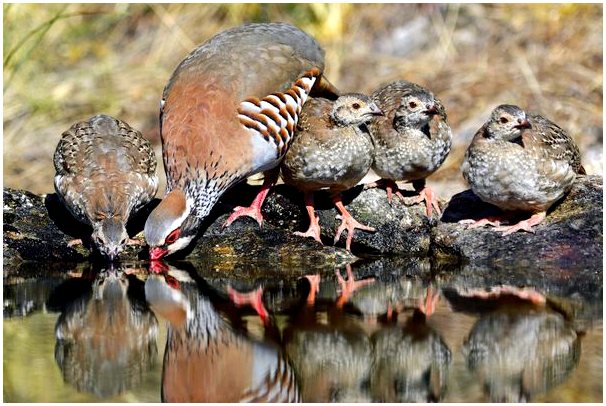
{"type": "Point", "coordinates": [412, 140]}
{"type": "Point", "coordinates": [521, 162]}
{"type": "Point", "coordinates": [105, 170]}
{"type": "Point", "coordinates": [332, 150]}
{"type": "Point", "coordinates": [228, 112]}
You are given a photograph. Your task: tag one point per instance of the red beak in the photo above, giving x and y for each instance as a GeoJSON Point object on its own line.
{"type": "Point", "coordinates": [155, 253]}
{"type": "Point", "coordinates": [158, 267]}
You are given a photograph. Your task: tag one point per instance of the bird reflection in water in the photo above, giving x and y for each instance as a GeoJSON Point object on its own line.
{"type": "Point", "coordinates": [106, 335]}
{"type": "Point", "coordinates": [333, 359]}
{"type": "Point", "coordinates": [520, 348]}
{"type": "Point", "coordinates": [207, 358]}
{"type": "Point", "coordinates": [410, 359]}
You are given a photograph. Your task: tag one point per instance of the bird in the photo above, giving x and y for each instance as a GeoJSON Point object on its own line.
{"type": "Point", "coordinates": [411, 141]}
{"type": "Point", "coordinates": [206, 358]}
{"type": "Point", "coordinates": [411, 362]}
{"type": "Point", "coordinates": [330, 352]}
{"type": "Point", "coordinates": [519, 352]}
{"type": "Point", "coordinates": [229, 111]}
{"type": "Point", "coordinates": [106, 336]}
{"type": "Point", "coordinates": [105, 171]}
{"type": "Point", "coordinates": [332, 150]}
{"type": "Point", "coordinates": [520, 162]}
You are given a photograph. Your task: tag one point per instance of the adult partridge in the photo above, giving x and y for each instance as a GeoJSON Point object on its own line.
{"type": "Point", "coordinates": [411, 141]}
{"type": "Point", "coordinates": [208, 360]}
{"type": "Point", "coordinates": [520, 162]}
{"type": "Point", "coordinates": [332, 150]}
{"type": "Point", "coordinates": [229, 111]}
{"type": "Point", "coordinates": [105, 170]}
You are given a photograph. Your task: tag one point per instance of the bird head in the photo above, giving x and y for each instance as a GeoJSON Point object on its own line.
{"type": "Point", "coordinates": [171, 226]}
{"type": "Point", "coordinates": [354, 109]}
{"type": "Point", "coordinates": [109, 237]}
{"type": "Point", "coordinates": [507, 122]}
{"type": "Point", "coordinates": [416, 109]}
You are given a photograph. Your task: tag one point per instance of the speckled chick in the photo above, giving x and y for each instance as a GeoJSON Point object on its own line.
{"type": "Point", "coordinates": [520, 162]}
{"type": "Point", "coordinates": [104, 171]}
{"type": "Point", "coordinates": [411, 141]}
{"type": "Point", "coordinates": [332, 150]}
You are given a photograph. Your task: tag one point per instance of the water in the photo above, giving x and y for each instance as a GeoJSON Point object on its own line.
{"type": "Point", "coordinates": [78, 334]}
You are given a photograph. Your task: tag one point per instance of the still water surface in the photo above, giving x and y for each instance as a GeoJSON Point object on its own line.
{"type": "Point", "coordinates": [128, 335]}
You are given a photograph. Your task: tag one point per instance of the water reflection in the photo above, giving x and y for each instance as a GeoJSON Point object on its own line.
{"type": "Point", "coordinates": [518, 348]}
{"type": "Point", "coordinates": [106, 335]}
{"type": "Point", "coordinates": [411, 362]}
{"type": "Point", "coordinates": [330, 350]}
{"type": "Point", "coordinates": [206, 358]}
{"type": "Point", "coordinates": [518, 355]}
{"type": "Point", "coordinates": [366, 336]}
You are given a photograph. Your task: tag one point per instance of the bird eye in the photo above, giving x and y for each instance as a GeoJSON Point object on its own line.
{"type": "Point", "coordinates": [504, 120]}
{"type": "Point", "coordinates": [356, 106]}
{"type": "Point", "coordinates": [412, 105]}
{"type": "Point", "coordinates": [172, 237]}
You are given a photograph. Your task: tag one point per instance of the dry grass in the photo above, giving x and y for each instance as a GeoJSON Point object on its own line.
{"type": "Point", "coordinates": [66, 62]}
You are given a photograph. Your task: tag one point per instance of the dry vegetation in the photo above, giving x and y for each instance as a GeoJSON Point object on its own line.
{"type": "Point", "coordinates": [66, 62]}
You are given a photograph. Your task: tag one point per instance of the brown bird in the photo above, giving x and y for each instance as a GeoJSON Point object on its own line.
{"type": "Point", "coordinates": [105, 170]}
{"type": "Point", "coordinates": [229, 111]}
{"type": "Point", "coordinates": [411, 141]}
{"type": "Point", "coordinates": [332, 150]}
{"type": "Point", "coordinates": [206, 359]}
{"type": "Point", "coordinates": [520, 162]}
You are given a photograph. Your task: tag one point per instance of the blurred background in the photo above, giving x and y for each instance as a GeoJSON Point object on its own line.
{"type": "Point", "coordinates": [66, 62]}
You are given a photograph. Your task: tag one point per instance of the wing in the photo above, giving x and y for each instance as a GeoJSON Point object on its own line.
{"type": "Point", "coordinates": [553, 141]}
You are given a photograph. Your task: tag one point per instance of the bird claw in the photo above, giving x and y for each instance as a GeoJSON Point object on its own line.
{"type": "Point", "coordinates": [470, 223]}
{"type": "Point", "coordinates": [349, 286]}
{"type": "Point", "coordinates": [254, 299]}
{"type": "Point", "coordinates": [314, 281]}
{"type": "Point", "coordinates": [350, 224]}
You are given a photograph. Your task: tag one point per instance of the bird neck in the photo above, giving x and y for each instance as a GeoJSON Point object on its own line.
{"type": "Point", "coordinates": [203, 327]}
{"type": "Point", "coordinates": [203, 192]}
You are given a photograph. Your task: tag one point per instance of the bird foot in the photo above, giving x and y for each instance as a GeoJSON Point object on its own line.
{"type": "Point", "coordinates": [314, 281]}
{"type": "Point", "coordinates": [313, 231]}
{"type": "Point", "coordinates": [77, 241]}
{"type": "Point", "coordinates": [427, 306]}
{"type": "Point", "coordinates": [425, 195]}
{"type": "Point", "coordinates": [252, 211]}
{"type": "Point", "coordinates": [254, 299]}
{"type": "Point", "coordinates": [132, 241]}
{"type": "Point", "coordinates": [489, 221]}
{"type": "Point", "coordinates": [524, 225]}
{"type": "Point", "coordinates": [527, 294]}
{"type": "Point", "coordinates": [350, 224]}
{"type": "Point", "coordinates": [349, 286]}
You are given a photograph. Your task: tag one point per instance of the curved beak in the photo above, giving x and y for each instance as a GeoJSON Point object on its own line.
{"type": "Point", "coordinates": [523, 124]}
{"type": "Point", "coordinates": [376, 111]}
{"type": "Point", "coordinates": [155, 253]}
{"type": "Point", "coordinates": [431, 110]}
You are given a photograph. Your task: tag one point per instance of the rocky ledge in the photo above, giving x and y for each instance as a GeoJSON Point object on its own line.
{"type": "Point", "coordinates": [38, 228]}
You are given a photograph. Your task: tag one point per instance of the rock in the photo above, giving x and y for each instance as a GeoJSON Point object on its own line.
{"type": "Point", "coordinates": [401, 230]}
{"type": "Point", "coordinates": [567, 247]}
{"type": "Point", "coordinates": [569, 239]}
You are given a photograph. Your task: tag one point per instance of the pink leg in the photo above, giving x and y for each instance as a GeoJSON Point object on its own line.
{"type": "Point", "coordinates": [314, 281]}
{"type": "Point", "coordinates": [489, 221]}
{"type": "Point", "coordinates": [529, 294]}
{"type": "Point", "coordinates": [525, 225]}
{"type": "Point", "coordinates": [77, 241]}
{"type": "Point", "coordinates": [254, 210]}
{"type": "Point", "coordinates": [314, 224]}
{"type": "Point", "coordinates": [428, 305]}
{"type": "Point", "coordinates": [349, 286]}
{"type": "Point", "coordinates": [431, 200]}
{"type": "Point", "coordinates": [254, 299]}
{"type": "Point", "coordinates": [390, 187]}
{"type": "Point", "coordinates": [347, 223]}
